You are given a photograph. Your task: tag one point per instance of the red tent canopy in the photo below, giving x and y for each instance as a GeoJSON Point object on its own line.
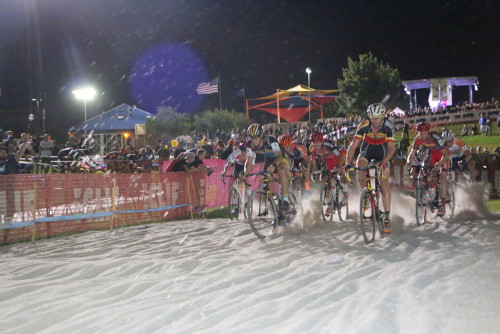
{"type": "Point", "coordinates": [292, 104]}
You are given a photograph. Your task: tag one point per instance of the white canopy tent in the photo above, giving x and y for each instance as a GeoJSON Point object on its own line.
{"type": "Point", "coordinates": [441, 89]}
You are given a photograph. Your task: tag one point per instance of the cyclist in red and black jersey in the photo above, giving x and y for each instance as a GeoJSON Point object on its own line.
{"type": "Point", "coordinates": [315, 149]}
{"type": "Point", "coordinates": [438, 156]}
{"type": "Point", "coordinates": [298, 154]}
{"type": "Point", "coordinates": [376, 140]}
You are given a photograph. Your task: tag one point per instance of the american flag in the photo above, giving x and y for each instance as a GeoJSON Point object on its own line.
{"type": "Point", "coordinates": [211, 87]}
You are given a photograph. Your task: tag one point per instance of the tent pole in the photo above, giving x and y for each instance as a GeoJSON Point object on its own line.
{"type": "Point", "coordinates": [278, 103]}
{"type": "Point", "coordinates": [247, 106]}
{"type": "Point", "coordinates": [321, 106]}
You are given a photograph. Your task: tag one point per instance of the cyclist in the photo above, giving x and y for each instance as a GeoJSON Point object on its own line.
{"type": "Point", "coordinates": [377, 142]}
{"type": "Point", "coordinates": [459, 153]}
{"type": "Point", "coordinates": [301, 161]}
{"type": "Point", "coordinates": [266, 149]}
{"type": "Point", "coordinates": [333, 158]}
{"type": "Point", "coordinates": [437, 154]}
{"type": "Point", "coordinates": [315, 149]}
{"type": "Point", "coordinates": [237, 159]}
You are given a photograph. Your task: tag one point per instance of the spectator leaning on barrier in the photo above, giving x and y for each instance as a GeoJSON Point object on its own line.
{"type": "Point", "coordinates": [183, 162]}
{"type": "Point", "coordinates": [8, 163]}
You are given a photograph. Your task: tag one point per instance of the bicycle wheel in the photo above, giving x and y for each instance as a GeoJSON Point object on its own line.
{"type": "Point", "coordinates": [367, 216]}
{"type": "Point", "coordinates": [234, 203]}
{"type": "Point", "coordinates": [262, 214]}
{"type": "Point", "coordinates": [342, 204]}
{"type": "Point", "coordinates": [422, 200]}
{"type": "Point", "coordinates": [327, 203]}
{"type": "Point", "coordinates": [450, 205]}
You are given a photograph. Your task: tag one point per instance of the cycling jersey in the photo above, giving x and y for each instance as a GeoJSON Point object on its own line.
{"type": "Point", "coordinates": [457, 149]}
{"type": "Point", "coordinates": [237, 159]}
{"type": "Point", "coordinates": [457, 154]}
{"type": "Point", "coordinates": [266, 152]}
{"type": "Point", "coordinates": [332, 161]}
{"type": "Point", "coordinates": [374, 145]}
{"type": "Point", "coordinates": [434, 143]}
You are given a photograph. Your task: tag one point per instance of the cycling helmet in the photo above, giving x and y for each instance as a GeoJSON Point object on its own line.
{"type": "Point", "coordinates": [376, 110]}
{"type": "Point", "coordinates": [329, 144]}
{"type": "Point", "coordinates": [423, 126]}
{"type": "Point", "coordinates": [316, 137]}
{"type": "Point", "coordinates": [448, 135]}
{"type": "Point", "coordinates": [285, 140]}
{"type": "Point", "coordinates": [243, 146]}
{"type": "Point", "coordinates": [254, 130]}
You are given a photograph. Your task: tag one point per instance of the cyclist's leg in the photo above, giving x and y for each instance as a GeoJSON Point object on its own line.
{"type": "Point", "coordinates": [282, 171]}
{"type": "Point", "coordinates": [386, 189]}
{"type": "Point", "coordinates": [361, 162]}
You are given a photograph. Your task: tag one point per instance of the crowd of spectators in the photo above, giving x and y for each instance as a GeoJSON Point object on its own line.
{"type": "Point", "coordinates": [81, 154]}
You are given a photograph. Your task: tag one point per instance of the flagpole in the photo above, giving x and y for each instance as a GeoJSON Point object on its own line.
{"type": "Point", "coordinates": [220, 95]}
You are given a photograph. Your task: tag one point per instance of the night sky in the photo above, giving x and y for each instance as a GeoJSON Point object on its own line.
{"type": "Point", "coordinates": [150, 52]}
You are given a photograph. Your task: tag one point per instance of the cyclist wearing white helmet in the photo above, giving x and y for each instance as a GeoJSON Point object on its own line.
{"type": "Point", "coordinates": [377, 142]}
{"type": "Point", "coordinates": [267, 149]}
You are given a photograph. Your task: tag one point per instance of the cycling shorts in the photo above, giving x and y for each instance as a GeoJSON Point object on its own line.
{"type": "Point", "coordinates": [238, 169]}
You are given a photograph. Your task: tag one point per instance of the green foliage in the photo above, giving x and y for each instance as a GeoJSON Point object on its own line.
{"type": "Point", "coordinates": [171, 124]}
{"type": "Point", "coordinates": [369, 81]}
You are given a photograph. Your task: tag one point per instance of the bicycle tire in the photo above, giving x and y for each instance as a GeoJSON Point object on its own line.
{"type": "Point", "coordinates": [367, 216]}
{"type": "Point", "coordinates": [262, 214]}
{"type": "Point", "coordinates": [421, 205]}
{"type": "Point", "coordinates": [342, 204]}
{"type": "Point", "coordinates": [327, 202]}
{"type": "Point", "coordinates": [450, 206]}
{"type": "Point", "coordinates": [233, 203]}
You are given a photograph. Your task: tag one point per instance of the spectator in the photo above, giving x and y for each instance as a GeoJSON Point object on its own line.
{"type": "Point", "coordinates": [404, 144]}
{"type": "Point", "coordinates": [46, 147]}
{"type": "Point", "coordinates": [482, 123]}
{"type": "Point", "coordinates": [465, 131]}
{"type": "Point", "coordinates": [228, 150]}
{"type": "Point", "coordinates": [178, 150]}
{"type": "Point", "coordinates": [9, 163]}
{"type": "Point", "coordinates": [183, 162]}
{"type": "Point", "coordinates": [27, 148]}
{"type": "Point", "coordinates": [498, 122]}
{"type": "Point", "coordinates": [495, 158]}
{"type": "Point", "coordinates": [163, 153]}
{"type": "Point", "coordinates": [198, 162]}
{"type": "Point", "coordinates": [473, 130]}
{"type": "Point", "coordinates": [219, 148]}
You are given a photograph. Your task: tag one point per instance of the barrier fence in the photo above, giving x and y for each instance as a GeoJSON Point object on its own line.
{"type": "Point", "coordinates": [45, 205]}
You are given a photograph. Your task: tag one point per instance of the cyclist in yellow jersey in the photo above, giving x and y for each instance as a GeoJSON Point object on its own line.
{"type": "Point", "coordinates": [376, 138]}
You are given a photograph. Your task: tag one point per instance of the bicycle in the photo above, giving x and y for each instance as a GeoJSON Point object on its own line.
{"type": "Point", "coordinates": [370, 214]}
{"type": "Point", "coordinates": [297, 183]}
{"type": "Point", "coordinates": [236, 202]}
{"type": "Point", "coordinates": [333, 198]}
{"type": "Point", "coordinates": [427, 196]}
{"type": "Point", "coordinates": [263, 208]}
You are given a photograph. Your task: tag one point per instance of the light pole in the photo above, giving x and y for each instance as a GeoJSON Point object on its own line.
{"type": "Point", "coordinates": [308, 71]}
{"type": "Point", "coordinates": [84, 94]}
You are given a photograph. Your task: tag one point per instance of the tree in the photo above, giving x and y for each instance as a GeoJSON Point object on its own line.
{"type": "Point", "coordinates": [369, 81]}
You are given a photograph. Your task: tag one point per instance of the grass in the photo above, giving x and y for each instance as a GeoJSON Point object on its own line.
{"type": "Point", "coordinates": [494, 205]}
